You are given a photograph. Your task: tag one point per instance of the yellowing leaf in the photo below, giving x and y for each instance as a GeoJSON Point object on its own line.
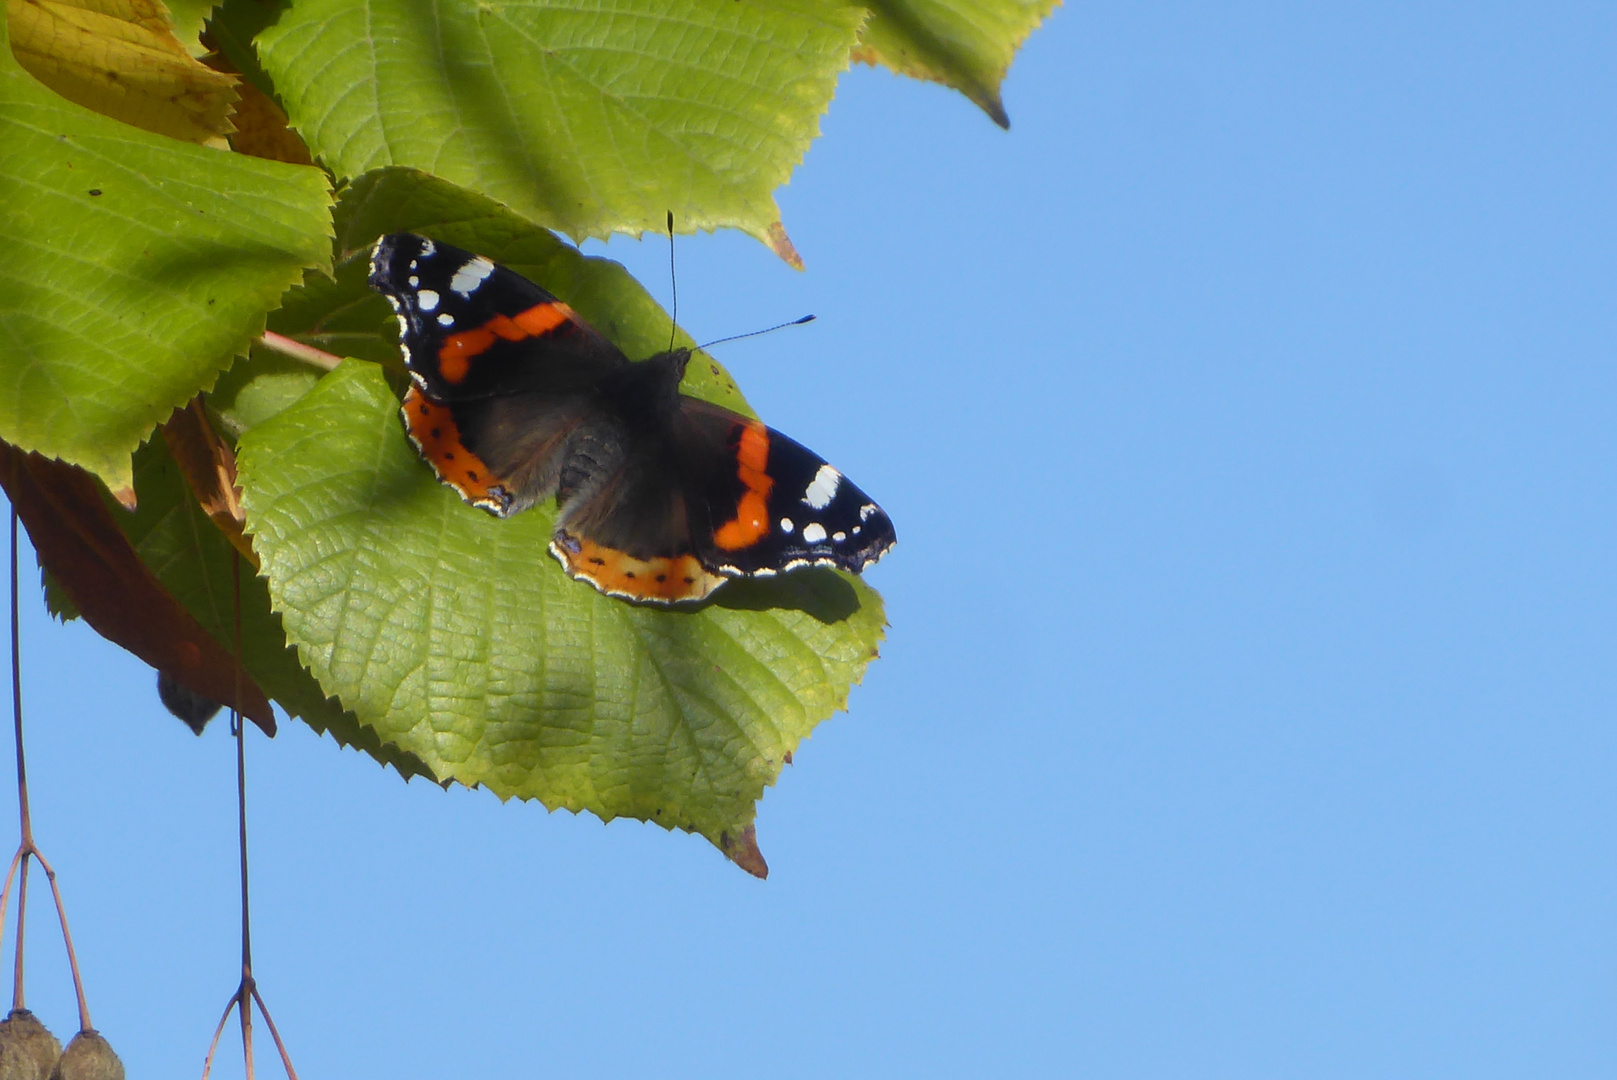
{"type": "Point", "coordinates": [121, 58]}
{"type": "Point", "coordinates": [137, 267]}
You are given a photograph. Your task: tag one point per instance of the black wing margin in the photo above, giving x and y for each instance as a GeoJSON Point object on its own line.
{"type": "Point", "coordinates": [770, 504]}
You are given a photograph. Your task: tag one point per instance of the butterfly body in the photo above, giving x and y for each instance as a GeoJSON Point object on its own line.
{"type": "Point", "coordinates": [661, 497]}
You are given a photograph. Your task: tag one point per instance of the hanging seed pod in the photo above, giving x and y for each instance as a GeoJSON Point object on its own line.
{"type": "Point", "coordinates": [88, 1057]}
{"type": "Point", "coordinates": [191, 707]}
{"type": "Point", "coordinates": [27, 1048]}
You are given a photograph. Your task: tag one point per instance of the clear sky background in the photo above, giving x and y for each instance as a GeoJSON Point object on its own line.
{"type": "Point", "coordinates": [1248, 414]}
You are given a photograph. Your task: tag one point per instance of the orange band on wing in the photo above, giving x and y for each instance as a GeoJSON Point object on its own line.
{"type": "Point", "coordinates": [543, 318]}
{"type": "Point", "coordinates": [751, 522]}
{"type": "Point", "coordinates": [432, 429]}
{"type": "Point", "coordinates": [455, 354]}
{"type": "Point", "coordinates": [662, 580]}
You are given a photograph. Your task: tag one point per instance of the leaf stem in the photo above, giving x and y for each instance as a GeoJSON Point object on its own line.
{"type": "Point", "coordinates": [308, 354]}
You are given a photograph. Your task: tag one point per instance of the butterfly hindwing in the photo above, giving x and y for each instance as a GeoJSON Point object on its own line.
{"type": "Point", "coordinates": [627, 527]}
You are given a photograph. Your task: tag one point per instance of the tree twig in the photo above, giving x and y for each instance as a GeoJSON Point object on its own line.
{"type": "Point", "coordinates": [207, 1062]}
{"type": "Point", "coordinates": [67, 939]}
{"type": "Point", "coordinates": [26, 846]}
{"type": "Point", "coordinates": [247, 991]}
{"type": "Point", "coordinates": [286, 1059]}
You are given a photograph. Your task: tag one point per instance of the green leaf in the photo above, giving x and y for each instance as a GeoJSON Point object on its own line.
{"type": "Point", "coordinates": [192, 559]}
{"type": "Point", "coordinates": [57, 602]}
{"type": "Point", "coordinates": [137, 267]}
{"type": "Point", "coordinates": [590, 117]}
{"type": "Point", "coordinates": [786, 652]}
{"type": "Point", "coordinates": [966, 44]}
{"type": "Point", "coordinates": [460, 640]}
{"type": "Point", "coordinates": [257, 387]}
{"type": "Point", "coordinates": [187, 18]}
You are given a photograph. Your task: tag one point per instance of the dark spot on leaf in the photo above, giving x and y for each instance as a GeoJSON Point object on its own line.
{"type": "Point", "coordinates": [715, 368]}
{"type": "Point", "coordinates": [787, 757]}
{"type": "Point", "coordinates": [95, 191]}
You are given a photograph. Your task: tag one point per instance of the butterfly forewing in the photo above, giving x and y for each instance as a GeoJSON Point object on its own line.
{"type": "Point", "coordinates": [775, 505]}
{"type": "Point", "coordinates": [473, 328]}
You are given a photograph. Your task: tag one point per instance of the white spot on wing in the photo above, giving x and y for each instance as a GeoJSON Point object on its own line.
{"type": "Point", "coordinates": [867, 510]}
{"type": "Point", "coordinates": [445, 319]}
{"type": "Point", "coordinates": [415, 282]}
{"type": "Point", "coordinates": [839, 537]}
{"type": "Point", "coordinates": [427, 299]}
{"type": "Point", "coordinates": [427, 248]}
{"type": "Point", "coordinates": [786, 525]}
{"type": "Point", "coordinates": [823, 488]}
{"type": "Point", "coordinates": [471, 275]}
{"type": "Point", "coordinates": [814, 532]}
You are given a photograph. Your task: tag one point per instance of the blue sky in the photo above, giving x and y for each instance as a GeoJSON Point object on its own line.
{"type": "Point", "coordinates": [1246, 415]}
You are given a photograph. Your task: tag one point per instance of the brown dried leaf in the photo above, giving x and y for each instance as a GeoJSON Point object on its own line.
{"type": "Point", "coordinates": [209, 467]}
{"type": "Point", "coordinates": [262, 131]}
{"type": "Point", "coordinates": [781, 245]}
{"type": "Point", "coordinates": [743, 851]}
{"type": "Point", "coordinates": [83, 549]}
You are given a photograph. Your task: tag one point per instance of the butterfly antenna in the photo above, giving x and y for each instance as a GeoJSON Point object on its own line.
{"type": "Point", "coordinates": [755, 333]}
{"type": "Point", "coordinates": [673, 318]}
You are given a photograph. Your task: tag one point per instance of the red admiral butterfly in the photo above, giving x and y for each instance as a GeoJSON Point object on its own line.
{"type": "Point", "coordinates": [662, 497]}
